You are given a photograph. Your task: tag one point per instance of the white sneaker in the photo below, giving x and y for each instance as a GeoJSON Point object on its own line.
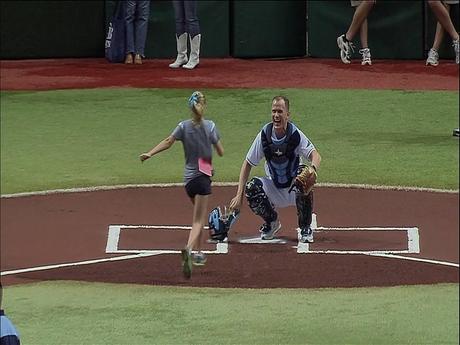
{"type": "Point", "coordinates": [268, 231]}
{"type": "Point", "coordinates": [433, 58]}
{"type": "Point", "coordinates": [306, 235]}
{"type": "Point", "coordinates": [346, 48]}
{"type": "Point", "coordinates": [366, 53]}
{"type": "Point", "coordinates": [456, 45]}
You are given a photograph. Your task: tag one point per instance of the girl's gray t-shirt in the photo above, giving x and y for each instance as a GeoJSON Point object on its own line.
{"type": "Point", "coordinates": [197, 140]}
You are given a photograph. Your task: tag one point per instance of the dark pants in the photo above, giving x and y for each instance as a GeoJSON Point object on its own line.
{"type": "Point", "coordinates": [185, 12]}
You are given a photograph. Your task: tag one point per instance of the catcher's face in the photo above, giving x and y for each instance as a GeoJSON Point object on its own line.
{"type": "Point", "coordinates": [280, 117]}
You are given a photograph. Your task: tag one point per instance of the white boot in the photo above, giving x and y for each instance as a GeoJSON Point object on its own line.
{"type": "Point", "coordinates": [181, 58]}
{"type": "Point", "coordinates": [194, 59]}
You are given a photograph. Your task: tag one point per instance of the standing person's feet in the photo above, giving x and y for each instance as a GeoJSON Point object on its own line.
{"type": "Point", "coordinates": [129, 59]}
{"type": "Point", "coordinates": [456, 45]}
{"type": "Point", "coordinates": [366, 54]}
{"type": "Point", "coordinates": [138, 59]}
{"type": "Point", "coordinates": [346, 47]}
{"type": "Point", "coordinates": [186, 263]}
{"type": "Point", "coordinates": [433, 58]}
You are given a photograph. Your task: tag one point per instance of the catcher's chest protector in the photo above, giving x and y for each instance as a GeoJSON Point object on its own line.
{"type": "Point", "coordinates": [280, 157]}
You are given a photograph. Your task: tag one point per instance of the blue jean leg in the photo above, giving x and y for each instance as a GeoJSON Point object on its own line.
{"type": "Point", "coordinates": [185, 13]}
{"type": "Point", "coordinates": [192, 24]}
{"type": "Point", "coordinates": [179, 16]}
{"type": "Point", "coordinates": [137, 18]}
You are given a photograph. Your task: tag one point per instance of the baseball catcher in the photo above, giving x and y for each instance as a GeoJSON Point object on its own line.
{"type": "Point", "coordinates": [283, 146]}
{"type": "Point", "coordinates": [220, 223]}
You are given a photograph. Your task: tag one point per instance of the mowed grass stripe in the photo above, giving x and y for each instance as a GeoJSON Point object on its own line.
{"type": "Point", "coordinates": [82, 138]}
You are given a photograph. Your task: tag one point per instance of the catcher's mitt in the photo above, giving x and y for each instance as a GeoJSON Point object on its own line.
{"type": "Point", "coordinates": [220, 223]}
{"type": "Point", "coordinates": [305, 179]}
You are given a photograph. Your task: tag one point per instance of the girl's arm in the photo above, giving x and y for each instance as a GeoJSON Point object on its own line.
{"type": "Point", "coordinates": [162, 145]}
{"type": "Point", "coordinates": [219, 148]}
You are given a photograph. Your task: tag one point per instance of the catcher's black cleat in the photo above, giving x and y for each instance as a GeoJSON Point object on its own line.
{"type": "Point", "coordinates": [268, 231]}
{"type": "Point", "coordinates": [306, 235]}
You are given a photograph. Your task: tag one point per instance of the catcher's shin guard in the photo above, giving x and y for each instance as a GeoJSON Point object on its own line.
{"type": "Point", "coordinates": [258, 200]}
{"type": "Point", "coordinates": [304, 205]}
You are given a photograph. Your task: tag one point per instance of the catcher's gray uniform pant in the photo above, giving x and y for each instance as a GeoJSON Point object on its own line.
{"type": "Point", "coordinates": [279, 197]}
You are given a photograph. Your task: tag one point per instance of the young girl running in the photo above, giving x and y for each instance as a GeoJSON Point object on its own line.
{"type": "Point", "coordinates": [198, 136]}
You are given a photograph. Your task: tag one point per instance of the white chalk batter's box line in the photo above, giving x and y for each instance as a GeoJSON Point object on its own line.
{"type": "Point", "coordinates": [222, 248]}
{"type": "Point", "coordinates": [302, 248]}
{"type": "Point", "coordinates": [115, 232]}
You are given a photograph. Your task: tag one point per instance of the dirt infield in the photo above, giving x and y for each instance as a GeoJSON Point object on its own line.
{"type": "Point", "coordinates": [73, 228]}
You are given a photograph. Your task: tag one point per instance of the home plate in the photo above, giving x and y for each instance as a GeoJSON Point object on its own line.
{"type": "Point", "coordinates": [258, 240]}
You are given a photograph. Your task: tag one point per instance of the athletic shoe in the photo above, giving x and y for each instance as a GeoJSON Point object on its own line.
{"type": "Point", "coordinates": [346, 47]}
{"type": "Point", "coordinates": [456, 132]}
{"type": "Point", "coordinates": [269, 230]}
{"type": "Point", "coordinates": [366, 53]}
{"type": "Point", "coordinates": [199, 259]}
{"type": "Point", "coordinates": [306, 235]}
{"type": "Point", "coordinates": [186, 263]}
{"type": "Point", "coordinates": [456, 45]}
{"type": "Point", "coordinates": [433, 58]}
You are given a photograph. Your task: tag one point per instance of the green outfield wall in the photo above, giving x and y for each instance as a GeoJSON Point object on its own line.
{"type": "Point", "coordinates": [239, 28]}
{"type": "Point", "coordinates": [51, 28]}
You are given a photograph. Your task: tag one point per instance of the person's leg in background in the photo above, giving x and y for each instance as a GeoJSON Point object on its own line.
{"type": "Point", "coordinates": [433, 55]}
{"type": "Point", "coordinates": [443, 17]}
{"type": "Point", "coordinates": [141, 25]}
{"type": "Point", "coordinates": [365, 50]}
{"type": "Point", "coordinates": [344, 40]}
{"type": "Point", "coordinates": [130, 16]}
{"type": "Point", "coordinates": [193, 28]}
{"type": "Point", "coordinates": [181, 34]}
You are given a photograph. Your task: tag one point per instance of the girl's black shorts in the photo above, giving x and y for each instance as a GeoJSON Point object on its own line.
{"type": "Point", "coordinates": [200, 185]}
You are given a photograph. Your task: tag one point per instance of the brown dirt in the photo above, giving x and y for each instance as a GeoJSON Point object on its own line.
{"type": "Point", "coordinates": [60, 228]}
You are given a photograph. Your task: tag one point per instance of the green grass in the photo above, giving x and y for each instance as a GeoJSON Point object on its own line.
{"type": "Point", "coordinates": [78, 138]}
{"type": "Point", "coordinates": [84, 313]}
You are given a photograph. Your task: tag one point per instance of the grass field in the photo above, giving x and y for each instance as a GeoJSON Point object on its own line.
{"type": "Point", "coordinates": [63, 139]}
{"type": "Point", "coordinates": [79, 138]}
{"type": "Point", "coordinates": [93, 313]}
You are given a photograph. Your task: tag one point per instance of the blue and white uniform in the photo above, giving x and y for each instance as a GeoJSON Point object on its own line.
{"type": "Point", "coordinates": [8, 333]}
{"type": "Point", "coordinates": [280, 168]}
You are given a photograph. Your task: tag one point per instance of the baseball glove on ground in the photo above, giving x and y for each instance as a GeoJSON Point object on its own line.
{"type": "Point", "coordinates": [305, 179]}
